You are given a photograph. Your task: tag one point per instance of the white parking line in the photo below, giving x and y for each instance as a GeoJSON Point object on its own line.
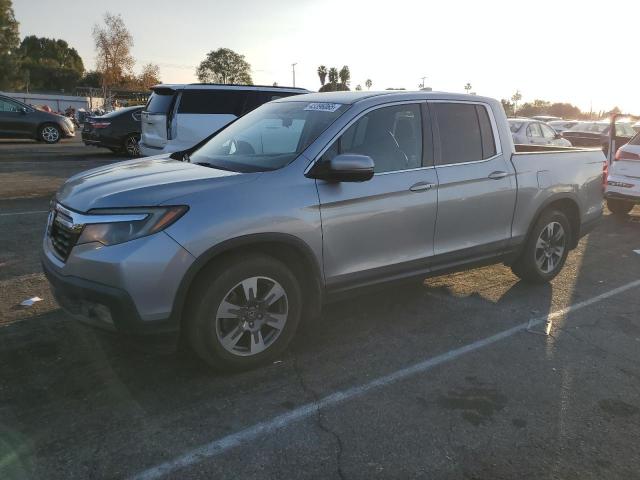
{"type": "Point", "coordinates": [23, 213]}
{"type": "Point", "coordinates": [216, 447]}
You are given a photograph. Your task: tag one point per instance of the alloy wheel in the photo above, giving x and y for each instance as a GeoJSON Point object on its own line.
{"type": "Point", "coordinates": [251, 316]}
{"type": "Point", "coordinates": [550, 247]}
{"type": "Point", "coordinates": [131, 146]}
{"type": "Point", "coordinates": [50, 134]}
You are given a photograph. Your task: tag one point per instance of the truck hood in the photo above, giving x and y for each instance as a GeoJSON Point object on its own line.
{"type": "Point", "coordinates": [147, 182]}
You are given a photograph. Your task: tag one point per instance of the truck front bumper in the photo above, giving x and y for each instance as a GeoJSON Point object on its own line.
{"type": "Point", "coordinates": [128, 288]}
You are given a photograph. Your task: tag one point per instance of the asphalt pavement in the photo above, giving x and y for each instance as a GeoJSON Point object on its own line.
{"type": "Point", "coordinates": [453, 378]}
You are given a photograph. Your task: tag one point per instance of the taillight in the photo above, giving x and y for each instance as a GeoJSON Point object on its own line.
{"type": "Point", "coordinates": [625, 155]}
{"type": "Point", "coordinates": [101, 124]}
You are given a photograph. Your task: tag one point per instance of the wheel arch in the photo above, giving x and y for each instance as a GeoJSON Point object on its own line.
{"type": "Point", "coordinates": [292, 251]}
{"type": "Point", "coordinates": [568, 205]}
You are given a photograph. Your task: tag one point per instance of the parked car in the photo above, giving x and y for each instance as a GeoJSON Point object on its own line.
{"type": "Point", "coordinates": [177, 117]}
{"type": "Point", "coordinates": [623, 182]}
{"type": "Point", "coordinates": [119, 131]}
{"type": "Point", "coordinates": [528, 131]}
{"type": "Point", "coordinates": [636, 127]}
{"type": "Point", "coordinates": [561, 126]}
{"type": "Point", "coordinates": [596, 134]}
{"type": "Point", "coordinates": [545, 118]}
{"type": "Point", "coordinates": [19, 120]}
{"type": "Point", "coordinates": [304, 199]}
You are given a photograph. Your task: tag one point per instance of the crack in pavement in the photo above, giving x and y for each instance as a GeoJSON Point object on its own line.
{"type": "Point", "coordinates": [320, 417]}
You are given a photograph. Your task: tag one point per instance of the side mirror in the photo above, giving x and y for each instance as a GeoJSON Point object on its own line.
{"type": "Point", "coordinates": [346, 167]}
{"type": "Point", "coordinates": [558, 135]}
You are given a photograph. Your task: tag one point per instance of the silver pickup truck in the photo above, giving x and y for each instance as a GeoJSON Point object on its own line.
{"type": "Point", "coordinates": [234, 241]}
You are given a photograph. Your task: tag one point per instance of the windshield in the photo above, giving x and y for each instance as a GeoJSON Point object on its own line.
{"type": "Point", "coordinates": [592, 127]}
{"type": "Point", "coordinates": [268, 138]}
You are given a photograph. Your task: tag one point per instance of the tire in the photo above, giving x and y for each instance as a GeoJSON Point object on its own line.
{"type": "Point", "coordinates": [230, 338]}
{"type": "Point", "coordinates": [130, 145]}
{"type": "Point", "coordinates": [541, 260]}
{"type": "Point", "coordinates": [49, 133]}
{"type": "Point", "coordinates": [619, 207]}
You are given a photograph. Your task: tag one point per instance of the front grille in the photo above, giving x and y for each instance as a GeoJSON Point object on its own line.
{"type": "Point", "coordinates": [63, 239]}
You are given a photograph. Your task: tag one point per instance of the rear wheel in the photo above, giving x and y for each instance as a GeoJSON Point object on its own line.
{"type": "Point", "coordinates": [619, 207]}
{"type": "Point", "coordinates": [546, 249]}
{"type": "Point", "coordinates": [245, 312]}
{"type": "Point", "coordinates": [49, 133]}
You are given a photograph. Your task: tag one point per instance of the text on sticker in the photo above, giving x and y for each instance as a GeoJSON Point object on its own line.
{"type": "Point", "coordinates": [323, 107]}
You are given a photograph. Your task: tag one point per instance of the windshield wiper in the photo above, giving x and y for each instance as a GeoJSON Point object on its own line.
{"type": "Point", "coordinates": [217, 167]}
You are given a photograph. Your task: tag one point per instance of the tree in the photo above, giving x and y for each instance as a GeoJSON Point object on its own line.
{"type": "Point", "coordinates": [50, 64]}
{"type": "Point", "coordinates": [224, 66]}
{"type": "Point", "coordinates": [515, 98]}
{"type": "Point", "coordinates": [113, 43]}
{"type": "Point", "coordinates": [322, 73]}
{"type": "Point", "coordinates": [368, 84]}
{"type": "Point", "coordinates": [149, 76]}
{"type": "Point", "coordinates": [508, 107]}
{"type": "Point", "coordinates": [468, 87]}
{"type": "Point", "coordinates": [358, 87]}
{"type": "Point", "coordinates": [92, 78]}
{"type": "Point", "coordinates": [345, 75]}
{"type": "Point", "coordinates": [9, 41]}
{"type": "Point", "coordinates": [333, 75]}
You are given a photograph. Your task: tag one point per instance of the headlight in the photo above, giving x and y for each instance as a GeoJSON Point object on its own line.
{"type": "Point", "coordinates": [114, 226]}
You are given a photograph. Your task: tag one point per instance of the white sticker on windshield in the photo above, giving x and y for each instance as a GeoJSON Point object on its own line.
{"type": "Point", "coordinates": [323, 107]}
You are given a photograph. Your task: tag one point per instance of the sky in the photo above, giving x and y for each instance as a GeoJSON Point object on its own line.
{"type": "Point", "coordinates": [573, 51]}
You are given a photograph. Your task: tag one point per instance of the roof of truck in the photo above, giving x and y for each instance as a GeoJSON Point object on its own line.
{"type": "Point", "coordinates": [353, 97]}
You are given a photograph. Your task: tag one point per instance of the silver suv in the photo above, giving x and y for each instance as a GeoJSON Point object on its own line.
{"type": "Point", "coordinates": [232, 243]}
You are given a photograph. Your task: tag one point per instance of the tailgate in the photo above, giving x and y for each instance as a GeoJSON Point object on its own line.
{"type": "Point", "coordinates": [154, 129]}
{"type": "Point", "coordinates": [156, 117]}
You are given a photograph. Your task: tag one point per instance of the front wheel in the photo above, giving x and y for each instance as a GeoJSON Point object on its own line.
{"type": "Point", "coordinates": [130, 145]}
{"type": "Point", "coordinates": [49, 133]}
{"type": "Point", "coordinates": [245, 312]}
{"type": "Point", "coordinates": [619, 207]}
{"type": "Point", "coordinates": [546, 249]}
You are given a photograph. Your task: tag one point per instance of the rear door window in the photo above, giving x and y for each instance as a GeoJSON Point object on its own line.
{"type": "Point", "coordinates": [466, 133]}
{"type": "Point", "coordinates": [212, 102]}
{"type": "Point", "coordinates": [256, 98]}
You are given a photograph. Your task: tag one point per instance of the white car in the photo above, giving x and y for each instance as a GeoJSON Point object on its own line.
{"type": "Point", "coordinates": [177, 117]}
{"type": "Point", "coordinates": [623, 182]}
{"type": "Point", "coordinates": [526, 131]}
{"type": "Point", "coordinates": [562, 125]}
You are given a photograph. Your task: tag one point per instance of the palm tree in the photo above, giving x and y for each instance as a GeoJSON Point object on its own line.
{"type": "Point", "coordinates": [345, 75]}
{"type": "Point", "coordinates": [333, 75]}
{"type": "Point", "coordinates": [322, 73]}
{"type": "Point", "coordinates": [468, 87]}
{"type": "Point", "coordinates": [515, 99]}
{"type": "Point", "coordinates": [368, 83]}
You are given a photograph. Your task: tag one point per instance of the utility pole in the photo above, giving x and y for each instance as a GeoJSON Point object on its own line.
{"type": "Point", "coordinates": [423, 81]}
{"type": "Point", "coordinates": [293, 70]}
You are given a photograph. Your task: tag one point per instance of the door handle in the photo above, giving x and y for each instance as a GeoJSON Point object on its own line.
{"type": "Point", "coordinates": [422, 186]}
{"type": "Point", "coordinates": [497, 175]}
